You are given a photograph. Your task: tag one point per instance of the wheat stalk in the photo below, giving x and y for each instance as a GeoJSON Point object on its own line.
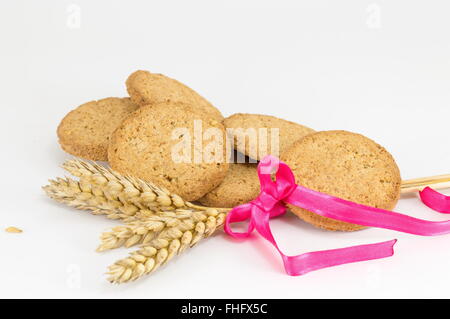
{"type": "Point", "coordinates": [169, 242]}
{"type": "Point", "coordinates": [106, 192]}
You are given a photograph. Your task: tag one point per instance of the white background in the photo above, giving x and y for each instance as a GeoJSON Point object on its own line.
{"type": "Point", "coordinates": [381, 68]}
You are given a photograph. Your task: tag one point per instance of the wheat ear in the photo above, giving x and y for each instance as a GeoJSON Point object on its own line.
{"type": "Point", "coordinates": [168, 243]}
{"type": "Point", "coordinates": [144, 230]}
{"type": "Point", "coordinates": [75, 194]}
{"type": "Point", "coordinates": [85, 197]}
{"type": "Point", "coordinates": [106, 192]}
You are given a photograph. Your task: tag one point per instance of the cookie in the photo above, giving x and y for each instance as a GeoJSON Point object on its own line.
{"type": "Point", "coordinates": [240, 186]}
{"type": "Point", "coordinates": [147, 88]}
{"type": "Point", "coordinates": [157, 143]}
{"type": "Point", "coordinates": [85, 131]}
{"type": "Point", "coordinates": [244, 129]}
{"type": "Point", "coordinates": [346, 165]}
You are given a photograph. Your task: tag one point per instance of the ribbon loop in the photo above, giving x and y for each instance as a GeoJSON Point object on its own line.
{"type": "Point", "coordinates": [275, 193]}
{"type": "Point", "coordinates": [236, 215]}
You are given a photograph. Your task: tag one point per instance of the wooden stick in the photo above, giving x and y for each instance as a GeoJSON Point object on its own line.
{"type": "Point", "coordinates": [418, 184]}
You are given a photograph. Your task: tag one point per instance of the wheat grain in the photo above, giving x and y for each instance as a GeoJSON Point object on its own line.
{"type": "Point", "coordinates": [13, 229]}
{"type": "Point", "coordinates": [169, 242]}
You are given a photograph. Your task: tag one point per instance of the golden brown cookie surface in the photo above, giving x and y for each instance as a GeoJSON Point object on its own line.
{"type": "Point", "coordinates": [247, 135]}
{"type": "Point", "coordinates": [147, 88]}
{"type": "Point", "coordinates": [240, 186]}
{"type": "Point", "coordinates": [347, 165]}
{"type": "Point", "coordinates": [158, 144]}
{"type": "Point", "coordinates": [85, 131]}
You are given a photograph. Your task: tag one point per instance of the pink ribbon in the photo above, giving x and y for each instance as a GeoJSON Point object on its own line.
{"type": "Point", "coordinates": [271, 203]}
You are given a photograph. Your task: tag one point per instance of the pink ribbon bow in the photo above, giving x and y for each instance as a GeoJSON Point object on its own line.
{"type": "Point", "coordinates": [271, 203]}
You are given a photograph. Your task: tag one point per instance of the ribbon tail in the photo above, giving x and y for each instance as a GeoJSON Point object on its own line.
{"type": "Point", "coordinates": [307, 262]}
{"type": "Point", "coordinates": [435, 200]}
{"type": "Point", "coordinates": [350, 212]}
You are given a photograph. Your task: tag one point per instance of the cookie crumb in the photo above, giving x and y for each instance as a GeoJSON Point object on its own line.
{"type": "Point", "coordinates": [13, 230]}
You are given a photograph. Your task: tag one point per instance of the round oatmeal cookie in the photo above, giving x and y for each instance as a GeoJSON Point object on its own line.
{"type": "Point", "coordinates": [147, 88]}
{"type": "Point", "coordinates": [240, 186]}
{"type": "Point", "coordinates": [346, 165]}
{"type": "Point", "coordinates": [172, 146]}
{"type": "Point", "coordinates": [85, 131]}
{"type": "Point", "coordinates": [245, 131]}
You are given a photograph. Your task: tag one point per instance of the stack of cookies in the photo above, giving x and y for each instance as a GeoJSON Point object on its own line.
{"type": "Point", "coordinates": [167, 133]}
